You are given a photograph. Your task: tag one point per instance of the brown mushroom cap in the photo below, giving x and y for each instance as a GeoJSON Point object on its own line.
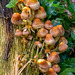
{"type": "Point", "coordinates": [16, 18]}
{"type": "Point", "coordinates": [56, 68]}
{"type": "Point", "coordinates": [37, 23]}
{"type": "Point", "coordinates": [37, 43]}
{"type": "Point", "coordinates": [51, 72]}
{"type": "Point", "coordinates": [26, 32]}
{"type": "Point", "coordinates": [55, 31]}
{"type": "Point", "coordinates": [53, 57]}
{"type": "Point", "coordinates": [63, 39]}
{"type": "Point", "coordinates": [43, 65]}
{"type": "Point", "coordinates": [63, 47]}
{"type": "Point", "coordinates": [33, 4]}
{"type": "Point", "coordinates": [40, 13]}
{"type": "Point", "coordinates": [18, 32]}
{"type": "Point", "coordinates": [49, 40]}
{"type": "Point", "coordinates": [42, 32]}
{"type": "Point", "coordinates": [26, 13]}
{"type": "Point", "coordinates": [62, 31]}
{"type": "Point", "coordinates": [47, 50]}
{"type": "Point", "coordinates": [48, 24]}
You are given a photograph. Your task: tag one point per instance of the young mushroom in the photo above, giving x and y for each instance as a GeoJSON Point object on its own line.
{"type": "Point", "coordinates": [48, 24]}
{"type": "Point", "coordinates": [26, 13]}
{"type": "Point", "coordinates": [18, 32]}
{"type": "Point", "coordinates": [16, 18]}
{"type": "Point", "coordinates": [37, 23]}
{"type": "Point", "coordinates": [42, 32]}
{"type": "Point", "coordinates": [43, 65]}
{"type": "Point", "coordinates": [55, 31]}
{"type": "Point", "coordinates": [63, 47]}
{"type": "Point", "coordinates": [49, 40]}
{"type": "Point", "coordinates": [40, 13]}
{"type": "Point", "coordinates": [53, 57]}
{"type": "Point", "coordinates": [56, 68]}
{"type": "Point", "coordinates": [33, 4]}
{"type": "Point", "coordinates": [51, 72]}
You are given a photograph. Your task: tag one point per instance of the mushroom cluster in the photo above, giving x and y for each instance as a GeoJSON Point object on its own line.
{"type": "Point", "coordinates": [33, 26]}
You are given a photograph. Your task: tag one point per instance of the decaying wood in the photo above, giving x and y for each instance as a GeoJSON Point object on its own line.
{"type": "Point", "coordinates": [7, 13]}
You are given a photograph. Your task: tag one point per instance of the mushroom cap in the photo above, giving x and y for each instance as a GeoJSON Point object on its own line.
{"type": "Point", "coordinates": [30, 37]}
{"type": "Point", "coordinates": [33, 4]}
{"type": "Point", "coordinates": [26, 32]}
{"type": "Point", "coordinates": [48, 24]}
{"type": "Point", "coordinates": [18, 32]}
{"type": "Point", "coordinates": [16, 18]}
{"type": "Point", "coordinates": [55, 31]}
{"type": "Point", "coordinates": [62, 31]}
{"type": "Point", "coordinates": [49, 40]}
{"type": "Point", "coordinates": [63, 39]}
{"type": "Point", "coordinates": [56, 68]}
{"type": "Point", "coordinates": [37, 43]}
{"type": "Point", "coordinates": [47, 50]}
{"type": "Point", "coordinates": [63, 47]}
{"type": "Point", "coordinates": [37, 23]}
{"type": "Point", "coordinates": [74, 30]}
{"type": "Point", "coordinates": [42, 32]}
{"type": "Point", "coordinates": [40, 13]}
{"type": "Point", "coordinates": [53, 57]}
{"type": "Point", "coordinates": [26, 13]}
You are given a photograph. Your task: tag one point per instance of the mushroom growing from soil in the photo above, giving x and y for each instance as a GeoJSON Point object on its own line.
{"type": "Point", "coordinates": [63, 47]}
{"type": "Point", "coordinates": [37, 23]}
{"type": "Point", "coordinates": [49, 40]}
{"type": "Point", "coordinates": [40, 13]}
{"type": "Point", "coordinates": [42, 32]}
{"type": "Point", "coordinates": [43, 65]}
{"type": "Point", "coordinates": [16, 18]}
{"type": "Point", "coordinates": [18, 32]}
{"type": "Point", "coordinates": [53, 57]}
{"type": "Point", "coordinates": [48, 24]}
{"type": "Point", "coordinates": [33, 4]}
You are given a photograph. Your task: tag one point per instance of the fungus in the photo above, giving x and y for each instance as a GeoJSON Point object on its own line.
{"type": "Point", "coordinates": [18, 32]}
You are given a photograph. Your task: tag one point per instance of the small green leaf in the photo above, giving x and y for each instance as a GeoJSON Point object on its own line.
{"type": "Point", "coordinates": [72, 34]}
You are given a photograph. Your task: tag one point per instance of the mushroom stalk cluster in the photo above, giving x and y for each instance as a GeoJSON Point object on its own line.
{"type": "Point", "coordinates": [33, 26]}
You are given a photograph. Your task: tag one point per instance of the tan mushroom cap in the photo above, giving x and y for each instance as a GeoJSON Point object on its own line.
{"type": "Point", "coordinates": [63, 47]}
{"type": "Point", "coordinates": [53, 57]}
{"type": "Point", "coordinates": [40, 13]}
{"type": "Point", "coordinates": [26, 32]}
{"type": "Point", "coordinates": [51, 72]}
{"type": "Point", "coordinates": [55, 31]}
{"type": "Point", "coordinates": [62, 31]}
{"type": "Point", "coordinates": [26, 13]}
{"type": "Point", "coordinates": [18, 32]}
{"type": "Point", "coordinates": [33, 4]}
{"type": "Point", "coordinates": [38, 43]}
{"type": "Point", "coordinates": [49, 40]}
{"type": "Point", "coordinates": [42, 32]}
{"type": "Point", "coordinates": [37, 23]}
{"type": "Point", "coordinates": [43, 65]}
{"type": "Point", "coordinates": [56, 68]}
{"type": "Point", "coordinates": [63, 39]}
{"type": "Point", "coordinates": [48, 24]}
{"type": "Point", "coordinates": [16, 18]}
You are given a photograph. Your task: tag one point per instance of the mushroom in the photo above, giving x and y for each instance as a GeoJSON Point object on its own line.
{"type": "Point", "coordinates": [74, 30]}
{"type": "Point", "coordinates": [40, 13]}
{"type": "Point", "coordinates": [16, 18]}
{"type": "Point", "coordinates": [63, 39]}
{"type": "Point", "coordinates": [48, 24]}
{"type": "Point", "coordinates": [53, 57]}
{"type": "Point", "coordinates": [18, 32]}
{"type": "Point", "coordinates": [63, 47]}
{"type": "Point", "coordinates": [47, 51]}
{"type": "Point", "coordinates": [30, 37]}
{"type": "Point", "coordinates": [62, 31]}
{"type": "Point", "coordinates": [33, 4]}
{"type": "Point", "coordinates": [49, 40]}
{"type": "Point", "coordinates": [56, 68]}
{"type": "Point", "coordinates": [43, 65]}
{"type": "Point", "coordinates": [37, 23]}
{"type": "Point", "coordinates": [55, 31]}
{"type": "Point", "coordinates": [42, 32]}
{"type": "Point", "coordinates": [37, 43]}
{"type": "Point", "coordinates": [26, 13]}
{"type": "Point", "coordinates": [51, 72]}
